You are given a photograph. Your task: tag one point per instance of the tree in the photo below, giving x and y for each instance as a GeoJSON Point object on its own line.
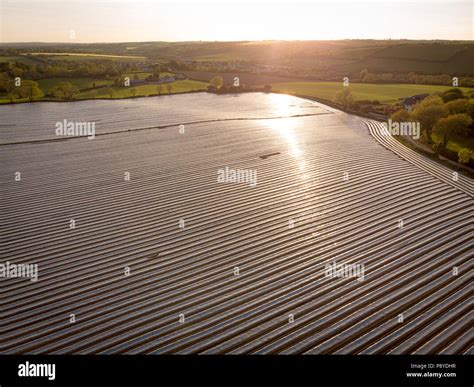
{"type": "Point", "coordinates": [464, 156]}
{"type": "Point", "coordinates": [65, 91]}
{"type": "Point", "coordinates": [464, 106]}
{"type": "Point", "coordinates": [169, 88]}
{"type": "Point", "coordinates": [134, 92]}
{"type": "Point", "coordinates": [447, 97]}
{"type": "Point", "coordinates": [16, 71]}
{"type": "Point", "coordinates": [217, 82]}
{"type": "Point", "coordinates": [156, 70]}
{"type": "Point", "coordinates": [428, 112]}
{"type": "Point", "coordinates": [452, 94]}
{"type": "Point", "coordinates": [109, 91]}
{"type": "Point", "coordinates": [158, 89]}
{"type": "Point", "coordinates": [458, 106]}
{"type": "Point", "coordinates": [6, 83]}
{"type": "Point", "coordinates": [400, 116]}
{"type": "Point", "coordinates": [12, 95]}
{"type": "Point", "coordinates": [455, 124]}
{"type": "Point", "coordinates": [344, 98]}
{"type": "Point", "coordinates": [119, 81]}
{"type": "Point", "coordinates": [28, 89]}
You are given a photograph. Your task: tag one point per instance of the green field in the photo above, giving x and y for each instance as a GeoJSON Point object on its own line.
{"type": "Point", "coordinates": [144, 90]}
{"type": "Point", "coordinates": [138, 75]}
{"type": "Point", "coordinates": [83, 56]}
{"type": "Point", "coordinates": [384, 93]}
{"type": "Point", "coordinates": [18, 58]}
{"type": "Point", "coordinates": [321, 58]}
{"type": "Point", "coordinates": [48, 84]}
{"type": "Point", "coordinates": [143, 74]}
{"type": "Point", "coordinates": [118, 92]}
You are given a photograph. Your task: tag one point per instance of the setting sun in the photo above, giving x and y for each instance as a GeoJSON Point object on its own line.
{"type": "Point", "coordinates": [257, 177]}
{"type": "Point", "coordinates": [134, 21]}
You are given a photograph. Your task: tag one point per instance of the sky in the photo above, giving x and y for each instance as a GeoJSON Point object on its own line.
{"type": "Point", "coordinates": [91, 21]}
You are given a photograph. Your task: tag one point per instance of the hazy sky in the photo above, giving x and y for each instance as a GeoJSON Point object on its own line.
{"type": "Point", "coordinates": [146, 20]}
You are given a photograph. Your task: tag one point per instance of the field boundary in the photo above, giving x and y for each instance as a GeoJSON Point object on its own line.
{"type": "Point", "coordinates": [442, 173]}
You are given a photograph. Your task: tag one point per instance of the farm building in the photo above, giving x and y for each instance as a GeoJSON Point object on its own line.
{"type": "Point", "coordinates": [409, 102]}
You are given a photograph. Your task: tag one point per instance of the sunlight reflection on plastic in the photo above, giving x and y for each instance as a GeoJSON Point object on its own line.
{"type": "Point", "coordinates": [285, 128]}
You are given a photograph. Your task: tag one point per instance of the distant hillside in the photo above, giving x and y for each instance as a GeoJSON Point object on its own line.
{"type": "Point", "coordinates": [376, 56]}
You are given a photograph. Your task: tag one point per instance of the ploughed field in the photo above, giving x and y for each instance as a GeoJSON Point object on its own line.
{"type": "Point", "coordinates": [206, 224]}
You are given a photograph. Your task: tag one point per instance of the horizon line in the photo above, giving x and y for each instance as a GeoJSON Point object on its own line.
{"type": "Point", "coordinates": [239, 41]}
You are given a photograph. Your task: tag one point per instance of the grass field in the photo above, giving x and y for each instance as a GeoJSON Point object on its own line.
{"type": "Point", "coordinates": [342, 56]}
{"type": "Point", "coordinates": [145, 74]}
{"type": "Point", "coordinates": [139, 75]}
{"type": "Point", "coordinates": [85, 56]}
{"type": "Point", "coordinates": [384, 93]}
{"type": "Point", "coordinates": [118, 92]}
{"type": "Point", "coordinates": [18, 58]}
{"type": "Point", "coordinates": [144, 90]}
{"type": "Point", "coordinates": [49, 84]}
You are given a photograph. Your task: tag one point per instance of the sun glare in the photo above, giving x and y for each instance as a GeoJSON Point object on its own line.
{"type": "Point", "coordinates": [286, 130]}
